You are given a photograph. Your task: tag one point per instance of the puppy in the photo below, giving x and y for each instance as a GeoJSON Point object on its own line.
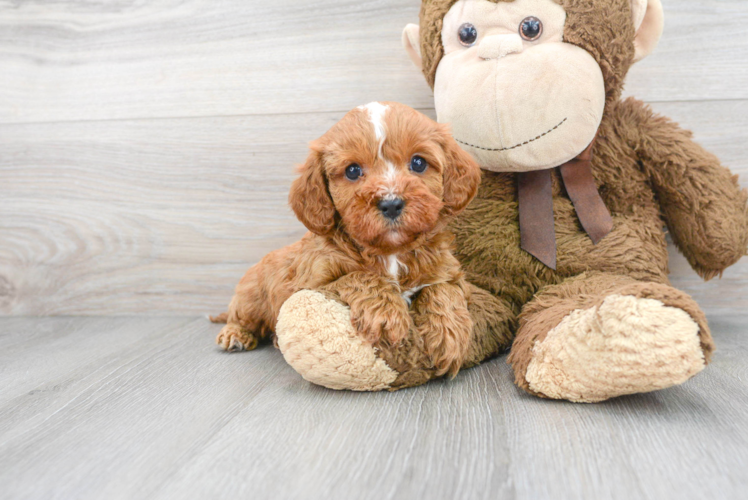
{"type": "Point", "coordinates": [376, 193]}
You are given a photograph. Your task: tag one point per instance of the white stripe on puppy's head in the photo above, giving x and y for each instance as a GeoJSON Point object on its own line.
{"type": "Point", "coordinates": [376, 112]}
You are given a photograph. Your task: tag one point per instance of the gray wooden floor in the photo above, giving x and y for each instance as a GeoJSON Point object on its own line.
{"type": "Point", "coordinates": [143, 408]}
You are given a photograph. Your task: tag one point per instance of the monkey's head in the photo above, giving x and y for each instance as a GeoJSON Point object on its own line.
{"type": "Point", "coordinates": [524, 83]}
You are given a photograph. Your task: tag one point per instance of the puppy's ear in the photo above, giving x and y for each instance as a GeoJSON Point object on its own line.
{"type": "Point", "coordinates": [461, 175]}
{"type": "Point", "coordinates": [309, 197]}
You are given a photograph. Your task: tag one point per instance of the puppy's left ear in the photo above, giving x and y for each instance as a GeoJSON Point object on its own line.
{"type": "Point", "coordinates": [309, 197]}
{"type": "Point", "coordinates": [461, 175]}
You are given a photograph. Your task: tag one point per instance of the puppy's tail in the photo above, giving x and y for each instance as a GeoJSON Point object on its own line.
{"type": "Point", "coordinates": [221, 318]}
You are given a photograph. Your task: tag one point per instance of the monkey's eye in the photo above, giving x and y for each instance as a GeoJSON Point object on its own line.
{"type": "Point", "coordinates": [530, 28]}
{"type": "Point", "coordinates": [418, 164]}
{"type": "Point", "coordinates": [353, 171]}
{"type": "Point", "coordinates": [468, 34]}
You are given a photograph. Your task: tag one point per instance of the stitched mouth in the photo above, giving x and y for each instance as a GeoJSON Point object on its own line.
{"type": "Point", "coordinates": [516, 145]}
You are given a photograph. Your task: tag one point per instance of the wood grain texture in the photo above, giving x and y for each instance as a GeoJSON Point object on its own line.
{"type": "Point", "coordinates": [164, 216]}
{"type": "Point", "coordinates": [121, 217]}
{"type": "Point", "coordinates": [690, 62]}
{"type": "Point", "coordinates": [148, 408]}
{"type": "Point", "coordinates": [78, 60]}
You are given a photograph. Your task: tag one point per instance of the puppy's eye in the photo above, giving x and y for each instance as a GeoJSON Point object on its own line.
{"type": "Point", "coordinates": [418, 164]}
{"type": "Point", "coordinates": [468, 34]}
{"type": "Point", "coordinates": [530, 28]}
{"type": "Point", "coordinates": [353, 171]}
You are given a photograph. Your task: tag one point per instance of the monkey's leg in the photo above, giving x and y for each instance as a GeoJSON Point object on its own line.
{"type": "Point", "coordinates": [315, 334]}
{"type": "Point", "coordinates": [598, 336]}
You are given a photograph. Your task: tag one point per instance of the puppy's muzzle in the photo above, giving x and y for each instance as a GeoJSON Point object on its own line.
{"type": "Point", "coordinates": [391, 209]}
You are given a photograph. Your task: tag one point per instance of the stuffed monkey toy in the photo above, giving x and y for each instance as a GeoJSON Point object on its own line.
{"type": "Point", "coordinates": [564, 245]}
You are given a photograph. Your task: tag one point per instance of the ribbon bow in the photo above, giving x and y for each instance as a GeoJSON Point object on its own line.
{"type": "Point", "coordinates": [537, 232]}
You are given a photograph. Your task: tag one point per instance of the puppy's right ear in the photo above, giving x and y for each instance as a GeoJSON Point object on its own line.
{"type": "Point", "coordinates": [462, 176]}
{"type": "Point", "coordinates": [309, 197]}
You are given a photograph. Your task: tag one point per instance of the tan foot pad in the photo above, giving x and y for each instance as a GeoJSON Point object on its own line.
{"type": "Point", "coordinates": [317, 339]}
{"type": "Point", "coordinates": [626, 345]}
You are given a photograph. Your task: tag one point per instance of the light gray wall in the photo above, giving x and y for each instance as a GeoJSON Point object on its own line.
{"type": "Point", "coordinates": [146, 149]}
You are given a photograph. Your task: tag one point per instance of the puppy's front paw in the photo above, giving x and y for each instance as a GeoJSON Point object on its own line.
{"type": "Point", "coordinates": [234, 338]}
{"type": "Point", "coordinates": [376, 320]}
{"type": "Point", "coordinates": [398, 324]}
{"type": "Point", "coordinates": [446, 335]}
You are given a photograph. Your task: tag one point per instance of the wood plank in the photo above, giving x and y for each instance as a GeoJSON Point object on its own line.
{"type": "Point", "coordinates": [83, 60]}
{"type": "Point", "coordinates": [164, 216]}
{"type": "Point", "coordinates": [440, 441]}
{"type": "Point", "coordinates": [646, 446]}
{"type": "Point", "coordinates": [155, 411]}
{"type": "Point", "coordinates": [66, 61]}
{"type": "Point", "coordinates": [44, 362]}
{"type": "Point", "coordinates": [121, 422]}
{"type": "Point", "coordinates": [62, 344]}
{"type": "Point", "coordinates": [689, 63]}
{"type": "Point", "coordinates": [138, 216]}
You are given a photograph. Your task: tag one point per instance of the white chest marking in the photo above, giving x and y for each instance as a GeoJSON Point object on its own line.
{"type": "Point", "coordinates": [376, 117]}
{"type": "Point", "coordinates": [393, 266]}
{"type": "Point", "coordinates": [407, 295]}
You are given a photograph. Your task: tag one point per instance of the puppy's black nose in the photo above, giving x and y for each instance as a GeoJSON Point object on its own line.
{"type": "Point", "coordinates": [391, 208]}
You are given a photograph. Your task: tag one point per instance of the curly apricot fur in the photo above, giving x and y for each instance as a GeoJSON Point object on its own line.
{"type": "Point", "coordinates": [355, 252]}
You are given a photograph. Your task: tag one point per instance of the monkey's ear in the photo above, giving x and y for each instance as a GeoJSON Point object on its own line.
{"type": "Point", "coordinates": [412, 44]}
{"type": "Point", "coordinates": [309, 197]}
{"type": "Point", "coordinates": [461, 176]}
{"type": "Point", "coordinates": [648, 23]}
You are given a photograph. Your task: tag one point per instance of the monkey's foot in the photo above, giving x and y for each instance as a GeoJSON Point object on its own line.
{"type": "Point", "coordinates": [624, 345]}
{"type": "Point", "coordinates": [316, 336]}
{"type": "Point", "coordinates": [317, 339]}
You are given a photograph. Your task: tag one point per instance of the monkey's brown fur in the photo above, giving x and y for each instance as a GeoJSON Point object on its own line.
{"type": "Point", "coordinates": [651, 176]}
{"type": "Point", "coordinates": [346, 252]}
{"type": "Point", "coordinates": [649, 172]}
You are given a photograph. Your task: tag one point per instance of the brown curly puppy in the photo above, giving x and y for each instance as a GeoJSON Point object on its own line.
{"type": "Point", "coordinates": [376, 193]}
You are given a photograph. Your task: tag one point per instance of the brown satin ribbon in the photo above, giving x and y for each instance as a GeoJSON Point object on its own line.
{"type": "Point", "coordinates": [537, 232]}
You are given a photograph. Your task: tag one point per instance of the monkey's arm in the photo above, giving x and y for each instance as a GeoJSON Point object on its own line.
{"type": "Point", "coordinates": [701, 201]}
